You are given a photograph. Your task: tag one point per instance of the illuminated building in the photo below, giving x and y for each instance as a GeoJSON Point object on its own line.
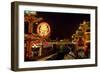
{"type": "Point", "coordinates": [83, 37]}
{"type": "Point", "coordinates": [48, 35]}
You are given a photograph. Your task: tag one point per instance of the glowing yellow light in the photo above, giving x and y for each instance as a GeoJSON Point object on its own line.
{"type": "Point", "coordinates": [43, 29]}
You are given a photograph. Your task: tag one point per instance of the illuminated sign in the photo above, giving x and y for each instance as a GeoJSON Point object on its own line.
{"type": "Point", "coordinates": [43, 29]}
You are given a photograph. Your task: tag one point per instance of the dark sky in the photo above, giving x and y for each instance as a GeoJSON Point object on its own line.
{"type": "Point", "coordinates": [63, 25]}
